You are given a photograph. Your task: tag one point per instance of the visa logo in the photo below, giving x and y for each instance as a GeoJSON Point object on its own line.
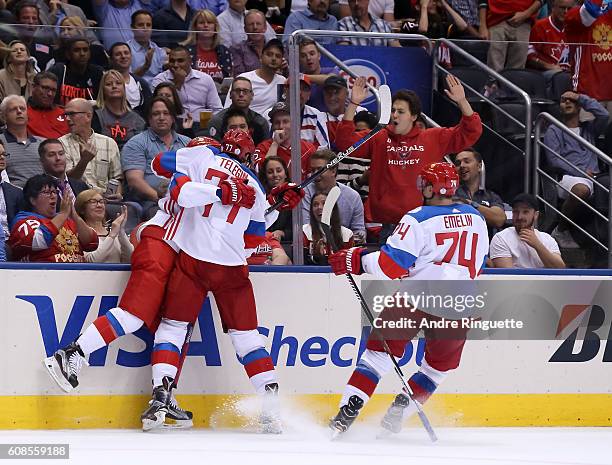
{"type": "Point", "coordinates": [285, 349]}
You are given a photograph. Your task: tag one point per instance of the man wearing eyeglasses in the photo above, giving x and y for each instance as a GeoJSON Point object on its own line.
{"type": "Point", "coordinates": [241, 96]}
{"type": "Point", "coordinates": [45, 118]}
{"type": "Point", "coordinates": [42, 235]}
{"type": "Point", "coordinates": [91, 157]}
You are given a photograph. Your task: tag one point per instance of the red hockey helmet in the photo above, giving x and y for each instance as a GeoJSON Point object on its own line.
{"type": "Point", "coordinates": [238, 143]}
{"type": "Point", "coordinates": [443, 178]}
{"type": "Point", "coordinates": [203, 140]}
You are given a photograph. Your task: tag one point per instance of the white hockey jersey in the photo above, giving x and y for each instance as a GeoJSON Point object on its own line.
{"type": "Point", "coordinates": [434, 243]}
{"type": "Point", "coordinates": [208, 230]}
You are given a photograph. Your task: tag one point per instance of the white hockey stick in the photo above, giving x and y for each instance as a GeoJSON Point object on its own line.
{"type": "Point", "coordinates": [328, 207]}
{"type": "Point", "coordinates": [384, 94]}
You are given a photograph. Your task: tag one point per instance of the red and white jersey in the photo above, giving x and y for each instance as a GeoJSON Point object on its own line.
{"type": "Point", "coordinates": [205, 230]}
{"type": "Point", "coordinates": [547, 43]}
{"type": "Point", "coordinates": [590, 51]}
{"type": "Point", "coordinates": [448, 242]}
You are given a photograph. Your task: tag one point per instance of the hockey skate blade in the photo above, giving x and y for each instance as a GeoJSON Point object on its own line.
{"type": "Point", "coordinates": [56, 373]}
{"type": "Point", "coordinates": [149, 424]}
{"type": "Point", "coordinates": [171, 423]}
{"type": "Point", "coordinates": [335, 434]}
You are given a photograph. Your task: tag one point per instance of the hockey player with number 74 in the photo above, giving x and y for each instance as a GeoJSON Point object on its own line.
{"type": "Point", "coordinates": [441, 240]}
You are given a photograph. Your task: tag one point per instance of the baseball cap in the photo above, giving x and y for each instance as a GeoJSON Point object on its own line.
{"type": "Point", "coordinates": [278, 107]}
{"type": "Point", "coordinates": [335, 81]}
{"type": "Point", "coordinates": [527, 199]}
{"type": "Point", "coordinates": [274, 43]}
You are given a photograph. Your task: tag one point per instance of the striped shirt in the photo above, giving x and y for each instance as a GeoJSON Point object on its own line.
{"type": "Point", "coordinates": [351, 24]}
{"type": "Point", "coordinates": [314, 127]}
{"type": "Point", "coordinates": [24, 162]}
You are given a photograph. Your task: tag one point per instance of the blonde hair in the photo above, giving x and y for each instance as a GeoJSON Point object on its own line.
{"type": "Point", "coordinates": [81, 201]}
{"type": "Point", "coordinates": [209, 17]}
{"type": "Point", "coordinates": [73, 21]}
{"type": "Point", "coordinates": [7, 57]}
{"type": "Point", "coordinates": [125, 106]}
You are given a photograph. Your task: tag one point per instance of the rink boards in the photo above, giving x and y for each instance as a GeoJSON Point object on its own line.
{"type": "Point", "coordinates": [314, 334]}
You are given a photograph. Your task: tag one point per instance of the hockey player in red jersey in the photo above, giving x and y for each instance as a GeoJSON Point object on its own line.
{"type": "Point", "coordinates": [441, 240]}
{"type": "Point", "coordinates": [214, 242]}
{"type": "Point", "coordinates": [152, 262]}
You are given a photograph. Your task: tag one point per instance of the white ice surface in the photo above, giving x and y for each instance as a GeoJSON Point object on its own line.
{"type": "Point", "coordinates": [310, 444]}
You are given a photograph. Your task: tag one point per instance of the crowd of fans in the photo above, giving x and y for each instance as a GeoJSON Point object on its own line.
{"type": "Point", "coordinates": [84, 111]}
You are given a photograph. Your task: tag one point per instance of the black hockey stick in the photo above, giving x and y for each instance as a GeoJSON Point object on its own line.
{"type": "Point", "coordinates": [330, 202]}
{"type": "Point", "coordinates": [385, 115]}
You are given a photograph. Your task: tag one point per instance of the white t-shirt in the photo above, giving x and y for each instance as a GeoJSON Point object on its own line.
{"type": "Point", "coordinates": [264, 95]}
{"type": "Point", "coordinates": [132, 93]}
{"type": "Point", "coordinates": [507, 243]}
{"type": "Point", "coordinates": [376, 7]}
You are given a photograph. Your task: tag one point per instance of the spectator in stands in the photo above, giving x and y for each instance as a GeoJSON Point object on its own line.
{"type": "Point", "coordinates": [246, 54]}
{"type": "Point", "coordinates": [113, 117]}
{"type": "Point", "coordinates": [316, 247]}
{"type": "Point", "coordinates": [92, 157]}
{"type": "Point", "coordinates": [145, 187]}
{"type": "Point", "coordinates": [507, 25]}
{"type": "Point", "coordinates": [208, 54]}
{"type": "Point", "coordinates": [114, 17]}
{"type": "Point", "coordinates": [548, 51]}
{"type": "Point", "coordinates": [523, 246]}
{"type": "Point", "coordinates": [233, 25]}
{"type": "Point", "coordinates": [182, 125]}
{"type": "Point", "coordinates": [137, 90]}
{"type": "Point", "coordinates": [241, 95]}
{"type": "Point", "coordinates": [280, 143]}
{"type": "Point", "coordinates": [176, 16]}
{"type": "Point", "coordinates": [398, 151]}
{"type": "Point", "coordinates": [315, 17]}
{"type": "Point", "coordinates": [335, 97]}
{"type": "Point", "coordinates": [377, 8]}
{"type": "Point", "coordinates": [265, 80]}
{"type": "Point", "coordinates": [360, 20]}
{"type": "Point", "coordinates": [427, 17]}
{"type": "Point", "coordinates": [114, 245]}
{"type": "Point", "coordinates": [570, 150]}
{"type": "Point", "coordinates": [353, 171]}
{"type": "Point", "coordinates": [18, 74]}
{"type": "Point", "coordinates": [273, 172]}
{"type": "Point", "coordinates": [215, 6]}
{"type": "Point", "coordinates": [11, 197]}
{"type": "Point", "coordinates": [465, 18]}
{"type": "Point", "coordinates": [196, 89]}
{"type": "Point", "coordinates": [587, 29]}
{"type": "Point", "coordinates": [314, 122]}
{"type": "Point", "coordinates": [53, 160]}
{"type": "Point", "coordinates": [42, 235]}
{"type": "Point", "coordinates": [38, 39]}
{"type": "Point", "coordinates": [472, 190]}
{"type": "Point", "coordinates": [78, 77]}
{"type": "Point", "coordinates": [72, 27]}
{"type": "Point", "coordinates": [52, 12]}
{"type": "Point", "coordinates": [349, 204]}
{"type": "Point", "coordinates": [148, 58]}
{"type": "Point", "coordinates": [2, 246]}
{"type": "Point", "coordinates": [17, 141]}
{"type": "Point", "coordinates": [45, 118]}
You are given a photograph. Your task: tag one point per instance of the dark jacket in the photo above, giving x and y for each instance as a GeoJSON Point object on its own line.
{"type": "Point", "coordinates": [13, 196]}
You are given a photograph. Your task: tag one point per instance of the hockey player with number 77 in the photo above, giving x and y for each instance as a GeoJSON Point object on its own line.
{"type": "Point", "coordinates": [441, 240]}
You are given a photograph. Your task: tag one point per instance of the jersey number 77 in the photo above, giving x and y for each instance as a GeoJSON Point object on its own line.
{"type": "Point", "coordinates": [211, 174]}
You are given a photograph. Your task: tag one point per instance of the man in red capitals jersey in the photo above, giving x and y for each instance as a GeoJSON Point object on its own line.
{"type": "Point", "coordinates": [215, 241]}
{"type": "Point", "coordinates": [39, 234]}
{"type": "Point", "coordinates": [442, 240]}
{"type": "Point", "coordinates": [547, 48]}
{"type": "Point", "coordinates": [401, 150]}
{"type": "Point", "coordinates": [588, 29]}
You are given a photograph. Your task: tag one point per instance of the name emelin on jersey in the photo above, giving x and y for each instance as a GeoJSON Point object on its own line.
{"type": "Point", "coordinates": [457, 221]}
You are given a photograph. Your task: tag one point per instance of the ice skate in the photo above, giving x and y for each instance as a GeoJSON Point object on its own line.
{"type": "Point", "coordinates": [269, 421]}
{"type": "Point", "coordinates": [393, 419]}
{"type": "Point", "coordinates": [65, 365]}
{"type": "Point", "coordinates": [155, 414]}
{"type": "Point", "coordinates": [176, 417]}
{"type": "Point", "coordinates": [346, 416]}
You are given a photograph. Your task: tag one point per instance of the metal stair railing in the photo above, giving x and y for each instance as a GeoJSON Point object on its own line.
{"type": "Point", "coordinates": [547, 119]}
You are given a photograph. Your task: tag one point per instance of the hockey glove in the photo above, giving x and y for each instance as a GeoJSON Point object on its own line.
{"type": "Point", "coordinates": [289, 193]}
{"type": "Point", "coordinates": [347, 260]}
{"type": "Point", "coordinates": [234, 191]}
